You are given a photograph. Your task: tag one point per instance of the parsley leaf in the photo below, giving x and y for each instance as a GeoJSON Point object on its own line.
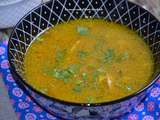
{"type": "Point", "coordinates": [82, 54]}
{"type": "Point", "coordinates": [108, 55]}
{"type": "Point", "coordinates": [82, 30]}
{"type": "Point", "coordinates": [90, 99]}
{"type": "Point", "coordinates": [74, 68]}
{"type": "Point", "coordinates": [77, 89]}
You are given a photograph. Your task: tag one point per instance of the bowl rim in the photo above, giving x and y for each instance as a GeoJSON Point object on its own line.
{"type": "Point", "coordinates": [20, 79]}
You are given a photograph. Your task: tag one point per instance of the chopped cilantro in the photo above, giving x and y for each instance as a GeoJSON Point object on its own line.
{"type": "Point", "coordinates": [82, 30]}
{"type": "Point", "coordinates": [77, 89]}
{"type": "Point", "coordinates": [92, 65]}
{"type": "Point", "coordinates": [95, 75]}
{"type": "Point", "coordinates": [84, 76]}
{"type": "Point", "coordinates": [90, 99]}
{"type": "Point", "coordinates": [79, 82]}
{"type": "Point", "coordinates": [108, 55]}
{"type": "Point", "coordinates": [73, 68]}
{"type": "Point", "coordinates": [101, 70]}
{"type": "Point", "coordinates": [66, 80]}
{"type": "Point", "coordinates": [65, 74]}
{"type": "Point", "coordinates": [82, 54]}
{"type": "Point", "coordinates": [56, 73]}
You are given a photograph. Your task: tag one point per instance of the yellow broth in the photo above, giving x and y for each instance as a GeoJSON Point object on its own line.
{"type": "Point", "coordinates": [88, 61]}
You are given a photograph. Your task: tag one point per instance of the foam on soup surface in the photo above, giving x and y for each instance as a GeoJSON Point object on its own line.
{"type": "Point", "coordinates": [88, 61]}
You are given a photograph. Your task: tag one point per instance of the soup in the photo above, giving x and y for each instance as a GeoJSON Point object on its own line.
{"type": "Point", "coordinates": [88, 61]}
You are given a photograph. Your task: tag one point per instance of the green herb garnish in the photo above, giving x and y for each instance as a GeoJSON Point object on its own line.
{"type": "Point", "coordinates": [84, 76]}
{"type": "Point", "coordinates": [55, 73]}
{"type": "Point", "coordinates": [95, 75]}
{"type": "Point", "coordinates": [92, 65]}
{"type": "Point", "coordinates": [77, 88]}
{"type": "Point", "coordinates": [64, 75]}
{"type": "Point", "coordinates": [79, 82]}
{"type": "Point", "coordinates": [108, 55]}
{"type": "Point", "coordinates": [82, 30]}
{"type": "Point", "coordinates": [74, 68]}
{"type": "Point", "coordinates": [90, 99]}
{"type": "Point", "coordinates": [82, 54]}
{"type": "Point", "coordinates": [66, 80]}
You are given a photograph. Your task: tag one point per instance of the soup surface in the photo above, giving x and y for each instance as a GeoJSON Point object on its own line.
{"type": "Point", "coordinates": [88, 61]}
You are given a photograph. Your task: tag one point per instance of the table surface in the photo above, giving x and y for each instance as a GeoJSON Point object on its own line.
{"type": "Point", "coordinates": [6, 110]}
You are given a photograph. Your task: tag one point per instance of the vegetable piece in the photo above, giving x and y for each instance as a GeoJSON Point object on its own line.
{"type": "Point", "coordinates": [108, 55]}
{"type": "Point", "coordinates": [82, 54]}
{"type": "Point", "coordinates": [108, 81]}
{"type": "Point", "coordinates": [82, 30]}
